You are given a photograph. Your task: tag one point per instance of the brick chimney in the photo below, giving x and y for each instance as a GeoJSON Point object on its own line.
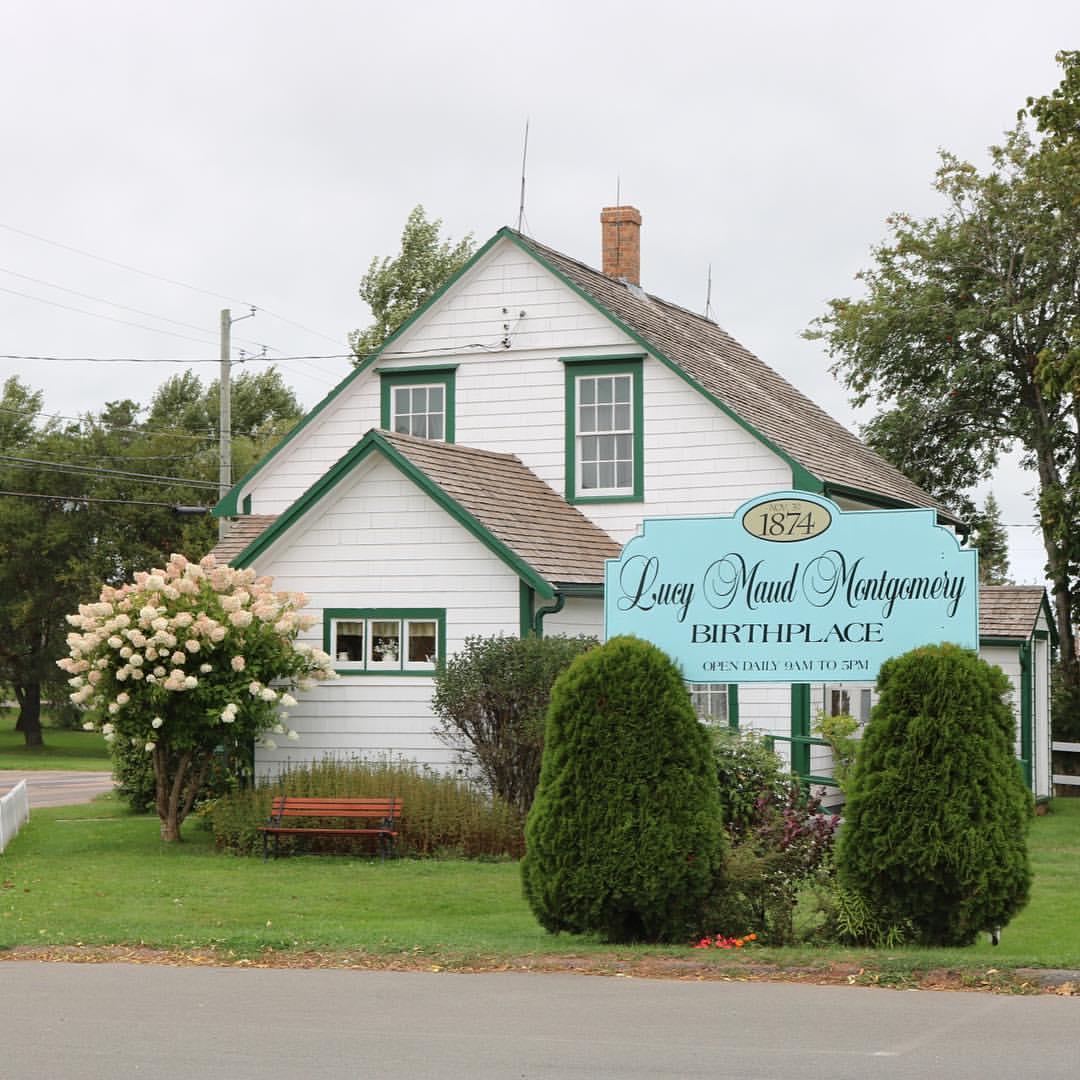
{"type": "Point", "coordinates": [621, 242]}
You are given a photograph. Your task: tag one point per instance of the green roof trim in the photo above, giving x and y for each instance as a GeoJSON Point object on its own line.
{"type": "Point", "coordinates": [228, 505]}
{"type": "Point", "coordinates": [802, 478]}
{"type": "Point", "coordinates": [797, 467]}
{"type": "Point", "coordinates": [375, 441]}
{"type": "Point", "coordinates": [886, 502]}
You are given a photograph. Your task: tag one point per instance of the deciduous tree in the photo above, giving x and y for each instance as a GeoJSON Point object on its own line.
{"type": "Point", "coordinates": [395, 287]}
{"type": "Point", "coordinates": [968, 335]}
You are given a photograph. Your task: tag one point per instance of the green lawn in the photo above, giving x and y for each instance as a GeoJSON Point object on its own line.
{"type": "Point", "coordinates": [80, 751]}
{"type": "Point", "coordinates": [96, 875]}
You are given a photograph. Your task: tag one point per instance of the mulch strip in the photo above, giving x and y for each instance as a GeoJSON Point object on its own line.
{"type": "Point", "coordinates": [689, 969]}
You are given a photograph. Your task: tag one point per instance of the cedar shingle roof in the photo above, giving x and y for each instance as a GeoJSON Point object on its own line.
{"type": "Point", "coordinates": [746, 385]}
{"type": "Point", "coordinates": [508, 500]}
{"type": "Point", "coordinates": [516, 507]}
{"type": "Point", "coordinates": [242, 531]}
{"type": "Point", "coordinates": [1009, 611]}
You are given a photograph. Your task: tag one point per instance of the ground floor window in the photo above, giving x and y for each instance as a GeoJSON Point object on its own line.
{"type": "Point", "coordinates": [854, 702]}
{"type": "Point", "coordinates": [386, 641]}
{"type": "Point", "coordinates": [710, 703]}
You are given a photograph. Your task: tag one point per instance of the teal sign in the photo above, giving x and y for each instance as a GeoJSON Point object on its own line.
{"type": "Point", "coordinates": [793, 589]}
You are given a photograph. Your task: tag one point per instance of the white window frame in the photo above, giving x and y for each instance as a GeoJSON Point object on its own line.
{"type": "Point", "coordinates": [405, 619]}
{"type": "Point", "coordinates": [703, 696]}
{"type": "Point", "coordinates": [595, 430]}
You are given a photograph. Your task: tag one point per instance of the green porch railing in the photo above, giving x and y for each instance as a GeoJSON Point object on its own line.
{"type": "Point", "coordinates": [807, 741]}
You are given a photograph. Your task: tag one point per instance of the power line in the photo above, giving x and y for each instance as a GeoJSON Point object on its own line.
{"type": "Point", "coordinates": [395, 353]}
{"type": "Point", "coordinates": [170, 432]}
{"type": "Point", "coordinates": [99, 315]}
{"type": "Point", "coordinates": [210, 434]}
{"type": "Point", "coordinates": [92, 499]}
{"type": "Point", "coordinates": [171, 359]}
{"type": "Point", "coordinates": [89, 470]}
{"type": "Point", "coordinates": [123, 266]}
{"type": "Point", "coordinates": [113, 303]}
{"type": "Point", "coordinates": [167, 280]}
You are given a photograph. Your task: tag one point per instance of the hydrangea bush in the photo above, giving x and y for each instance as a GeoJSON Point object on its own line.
{"type": "Point", "coordinates": [186, 659]}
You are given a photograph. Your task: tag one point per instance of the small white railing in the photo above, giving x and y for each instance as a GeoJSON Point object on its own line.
{"type": "Point", "coordinates": [1065, 778]}
{"type": "Point", "coordinates": [14, 813]}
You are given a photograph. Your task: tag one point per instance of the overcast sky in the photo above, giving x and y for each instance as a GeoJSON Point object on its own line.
{"type": "Point", "coordinates": [262, 152]}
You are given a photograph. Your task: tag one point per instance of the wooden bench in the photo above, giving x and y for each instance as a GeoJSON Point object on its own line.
{"type": "Point", "coordinates": [382, 815]}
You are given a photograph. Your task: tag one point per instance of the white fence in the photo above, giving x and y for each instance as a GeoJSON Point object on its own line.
{"type": "Point", "coordinates": [1063, 778]}
{"type": "Point", "coordinates": [14, 813]}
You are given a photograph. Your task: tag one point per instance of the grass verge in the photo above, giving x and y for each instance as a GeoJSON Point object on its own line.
{"type": "Point", "coordinates": [79, 751]}
{"type": "Point", "coordinates": [79, 880]}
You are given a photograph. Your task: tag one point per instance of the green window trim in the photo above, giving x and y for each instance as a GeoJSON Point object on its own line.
{"type": "Point", "coordinates": [575, 367]}
{"type": "Point", "coordinates": [331, 616]}
{"type": "Point", "coordinates": [442, 375]}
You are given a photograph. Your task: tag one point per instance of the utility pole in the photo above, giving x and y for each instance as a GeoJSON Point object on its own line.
{"type": "Point", "coordinates": [225, 412]}
{"type": "Point", "coordinates": [224, 417]}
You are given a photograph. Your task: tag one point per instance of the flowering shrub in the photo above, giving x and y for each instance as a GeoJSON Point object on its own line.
{"type": "Point", "coordinates": [780, 840]}
{"type": "Point", "coordinates": [721, 942]}
{"type": "Point", "coordinates": [186, 659]}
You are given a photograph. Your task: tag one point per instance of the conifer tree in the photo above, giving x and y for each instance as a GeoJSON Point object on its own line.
{"type": "Point", "coordinates": [936, 820]}
{"type": "Point", "coordinates": [989, 538]}
{"type": "Point", "coordinates": [625, 835]}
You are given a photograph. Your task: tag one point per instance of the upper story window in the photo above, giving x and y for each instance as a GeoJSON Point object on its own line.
{"type": "Point", "coordinates": [385, 641]}
{"type": "Point", "coordinates": [419, 401]}
{"type": "Point", "coordinates": [604, 422]}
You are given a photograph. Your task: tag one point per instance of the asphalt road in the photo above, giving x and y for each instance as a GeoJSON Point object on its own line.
{"type": "Point", "coordinates": [85, 1022]}
{"type": "Point", "coordinates": [54, 787]}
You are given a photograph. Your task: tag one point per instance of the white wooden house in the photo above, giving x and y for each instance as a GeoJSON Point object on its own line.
{"type": "Point", "coordinates": [472, 475]}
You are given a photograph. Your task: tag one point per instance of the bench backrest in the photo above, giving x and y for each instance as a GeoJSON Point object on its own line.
{"type": "Point", "coordinates": [287, 806]}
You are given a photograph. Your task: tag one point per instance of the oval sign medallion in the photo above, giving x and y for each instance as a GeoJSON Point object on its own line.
{"type": "Point", "coordinates": [786, 521]}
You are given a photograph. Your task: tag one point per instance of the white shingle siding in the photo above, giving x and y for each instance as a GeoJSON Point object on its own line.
{"type": "Point", "coordinates": [697, 460]}
{"type": "Point", "coordinates": [472, 311]}
{"type": "Point", "coordinates": [581, 615]}
{"type": "Point", "coordinates": [1007, 657]}
{"type": "Point", "coordinates": [379, 542]}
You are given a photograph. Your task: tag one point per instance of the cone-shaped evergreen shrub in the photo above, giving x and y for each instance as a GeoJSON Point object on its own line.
{"type": "Point", "coordinates": [935, 826]}
{"type": "Point", "coordinates": [625, 836]}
